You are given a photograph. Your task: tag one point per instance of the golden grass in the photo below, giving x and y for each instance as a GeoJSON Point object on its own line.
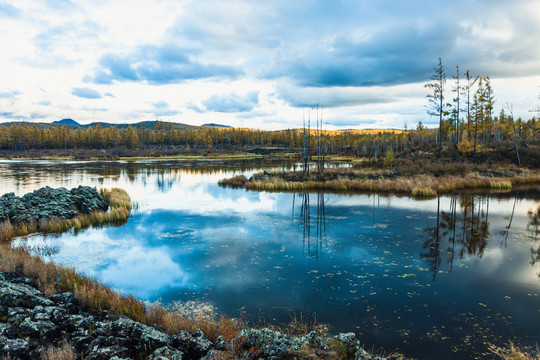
{"type": "Point", "coordinates": [237, 181]}
{"type": "Point", "coordinates": [500, 184]}
{"type": "Point", "coordinates": [423, 192]}
{"type": "Point", "coordinates": [64, 351]}
{"type": "Point", "coordinates": [117, 198]}
{"type": "Point", "coordinates": [418, 186]}
{"type": "Point", "coordinates": [120, 209]}
{"type": "Point", "coordinates": [514, 353]}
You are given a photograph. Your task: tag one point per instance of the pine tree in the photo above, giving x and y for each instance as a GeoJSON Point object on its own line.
{"type": "Point", "coordinates": [436, 97]}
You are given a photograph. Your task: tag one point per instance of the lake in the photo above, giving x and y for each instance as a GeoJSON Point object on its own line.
{"type": "Point", "coordinates": [439, 278]}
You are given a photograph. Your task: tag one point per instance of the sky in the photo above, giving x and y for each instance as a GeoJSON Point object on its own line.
{"type": "Point", "coordinates": [258, 64]}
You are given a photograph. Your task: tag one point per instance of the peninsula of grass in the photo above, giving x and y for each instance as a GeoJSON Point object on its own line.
{"type": "Point", "coordinates": [58, 210]}
{"type": "Point", "coordinates": [449, 179]}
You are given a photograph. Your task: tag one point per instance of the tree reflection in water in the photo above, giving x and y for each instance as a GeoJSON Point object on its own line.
{"type": "Point", "coordinates": [457, 234]}
{"type": "Point", "coordinates": [312, 245]}
{"type": "Point", "coordinates": [533, 230]}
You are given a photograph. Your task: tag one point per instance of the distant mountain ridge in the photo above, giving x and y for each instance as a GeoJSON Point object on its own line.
{"type": "Point", "coordinates": [216, 125]}
{"type": "Point", "coordinates": [66, 122]}
{"type": "Point", "coordinates": [74, 124]}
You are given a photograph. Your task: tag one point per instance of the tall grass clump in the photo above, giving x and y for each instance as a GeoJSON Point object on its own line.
{"type": "Point", "coordinates": [423, 192]}
{"type": "Point", "coordinates": [63, 351]}
{"type": "Point", "coordinates": [500, 185]}
{"type": "Point", "coordinates": [117, 198]}
{"type": "Point", "coordinates": [235, 182]}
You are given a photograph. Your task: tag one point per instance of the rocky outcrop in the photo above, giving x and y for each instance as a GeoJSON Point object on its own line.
{"type": "Point", "coordinates": [31, 322]}
{"type": "Point", "coordinates": [47, 203]}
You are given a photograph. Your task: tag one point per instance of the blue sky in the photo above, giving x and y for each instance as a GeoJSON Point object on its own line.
{"type": "Point", "coordinates": [258, 64]}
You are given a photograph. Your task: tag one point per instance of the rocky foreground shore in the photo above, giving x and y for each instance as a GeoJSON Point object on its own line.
{"type": "Point", "coordinates": [31, 323]}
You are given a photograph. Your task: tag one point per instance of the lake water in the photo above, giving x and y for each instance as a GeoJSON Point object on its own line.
{"type": "Point", "coordinates": [440, 278]}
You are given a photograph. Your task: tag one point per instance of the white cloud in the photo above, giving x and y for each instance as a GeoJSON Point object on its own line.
{"type": "Point", "coordinates": [359, 59]}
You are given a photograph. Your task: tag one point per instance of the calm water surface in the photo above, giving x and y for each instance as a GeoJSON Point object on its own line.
{"type": "Point", "coordinates": [434, 279]}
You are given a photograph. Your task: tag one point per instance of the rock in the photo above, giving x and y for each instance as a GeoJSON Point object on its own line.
{"type": "Point", "coordinates": [20, 294]}
{"type": "Point", "coordinates": [67, 301]}
{"type": "Point", "coordinates": [165, 353]}
{"type": "Point", "coordinates": [194, 345]}
{"type": "Point", "coordinates": [48, 203]}
{"type": "Point", "coordinates": [14, 348]}
{"type": "Point", "coordinates": [271, 344]}
{"type": "Point", "coordinates": [220, 343]}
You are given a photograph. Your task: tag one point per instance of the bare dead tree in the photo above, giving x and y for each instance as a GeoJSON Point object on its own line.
{"type": "Point", "coordinates": [510, 108]}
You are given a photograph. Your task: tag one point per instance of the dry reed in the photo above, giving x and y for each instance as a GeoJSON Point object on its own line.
{"type": "Point", "coordinates": [512, 352]}
{"type": "Point", "coordinates": [63, 351]}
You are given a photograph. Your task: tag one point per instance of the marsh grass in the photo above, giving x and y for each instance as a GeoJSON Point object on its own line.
{"type": "Point", "coordinates": [423, 192]}
{"type": "Point", "coordinates": [235, 182]}
{"type": "Point", "coordinates": [119, 211]}
{"type": "Point", "coordinates": [500, 185]}
{"type": "Point", "coordinates": [422, 186]}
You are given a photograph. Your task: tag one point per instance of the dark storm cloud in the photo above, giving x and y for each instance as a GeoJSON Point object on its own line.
{"type": "Point", "coordinates": [232, 103]}
{"type": "Point", "coordinates": [158, 65]}
{"type": "Point", "coordinates": [86, 93]}
{"type": "Point", "coordinates": [319, 47]}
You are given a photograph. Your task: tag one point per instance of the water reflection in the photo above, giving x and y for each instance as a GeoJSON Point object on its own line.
{"type": "Point", "coordinates": [311, 245]}
{"type": "Point", "coordinates": [533, 233]}
{"type": "Point", "coordinates": [25, 176]}
{"type": "Point", "coordinates": [459, 233]}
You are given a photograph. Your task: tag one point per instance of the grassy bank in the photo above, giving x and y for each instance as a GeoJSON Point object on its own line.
{"type": "Point", "coordinates": [120, 209]}
{"type": "Point", "coordinates": [350, 181]}
{"type": "Point", "coordinates": [96, 298]}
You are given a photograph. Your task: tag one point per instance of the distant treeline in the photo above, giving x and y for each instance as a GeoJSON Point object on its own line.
{"type": "Point", "coordinates": [370, 143]}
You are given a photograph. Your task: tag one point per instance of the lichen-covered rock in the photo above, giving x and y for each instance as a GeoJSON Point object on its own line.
{"type": "Point", "coordinates": [19, 294]}
{"type": "Point", "coordinates": [195, 345]}
{"type": "Point", "coordinates": [271, 344]}
{"type": "Point", "coordinates": [166, 353]}
{"type": "Point", "coordinates": [14, 347]}
{"type": "Point", "coordinates": [48, 203]}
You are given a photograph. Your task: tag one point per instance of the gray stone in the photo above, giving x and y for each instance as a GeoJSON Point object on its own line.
{"type": "Point", "coordinates": [14, 347]}
{"type": "Point", "coordinates": [165, 353]}
{"type": "Point", "coordinates": [195, 345]}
